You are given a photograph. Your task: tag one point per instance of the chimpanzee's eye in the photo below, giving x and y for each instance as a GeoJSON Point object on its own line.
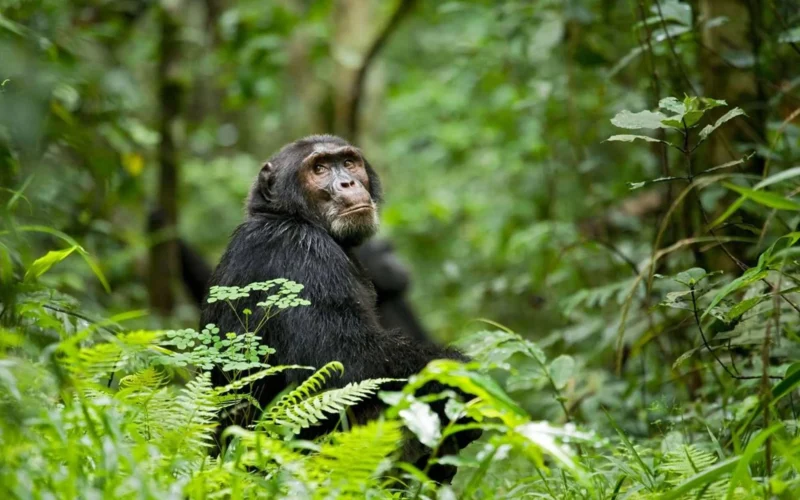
{"type": "Point", "coordinates": [319, 168]}
{"type": "Point", "coordinates": [349, 164]}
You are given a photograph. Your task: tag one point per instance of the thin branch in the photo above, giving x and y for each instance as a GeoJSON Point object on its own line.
{"type": "Point", "coordinates": [674, 52]}
{"type": "Point", "coordinates": [714, 354]}
{"type": "Point", "coordinates": [357, 90]}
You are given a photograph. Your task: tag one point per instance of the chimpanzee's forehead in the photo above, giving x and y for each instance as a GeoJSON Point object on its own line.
{"type": "Point", "coordinates": [331, 149]}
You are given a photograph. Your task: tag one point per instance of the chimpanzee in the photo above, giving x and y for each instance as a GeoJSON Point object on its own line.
{"type": "Point", "coordinates": [310, 206]}
{"type": "Point", "coordinates": [388, 275]}
{"type": "Point", "coordinates": [391, 280]}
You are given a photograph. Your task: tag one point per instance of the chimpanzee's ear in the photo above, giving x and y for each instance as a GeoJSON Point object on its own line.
{"type": "Point", "coordinates": [259, 196]}
{"type": "Point", "coordinates": [266, 178]}
{"type": "Point", "coordinates": [267, 169]}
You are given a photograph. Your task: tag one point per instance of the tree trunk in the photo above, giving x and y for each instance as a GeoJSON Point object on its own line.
{"type": "Point", "coordinates": [164, 264]}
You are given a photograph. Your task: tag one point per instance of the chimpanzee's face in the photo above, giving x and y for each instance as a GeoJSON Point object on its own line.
{"type": "Point", "coordinates": [336, 185]}
{"type": "Point", "coordinates": [324, 179]}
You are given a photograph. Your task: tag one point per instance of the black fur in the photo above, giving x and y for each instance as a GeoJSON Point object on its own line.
{"type": "Point", "coordinates": [283, 238]}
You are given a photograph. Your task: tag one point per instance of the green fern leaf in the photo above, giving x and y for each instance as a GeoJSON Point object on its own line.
{"type": "Point", "coordinates": [350, 462]}
{"type": "Point", "coordinates": [308, 412]}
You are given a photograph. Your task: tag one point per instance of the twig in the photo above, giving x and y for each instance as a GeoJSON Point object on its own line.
{"type": "Point", "coordinates": [357, 90]}
{"type": "Point", "coordinates": [714, 354]}
{"type": "Point", "coordinates": [678, 62]}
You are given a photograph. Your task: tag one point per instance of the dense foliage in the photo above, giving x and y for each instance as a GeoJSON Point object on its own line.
{"type": "Point", "coordinates": [598, 200]}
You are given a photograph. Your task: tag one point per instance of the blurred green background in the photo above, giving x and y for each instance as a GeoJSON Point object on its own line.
{"type": "Point", "coordinates": [486, 119]}
{"type": "Point", "coordinates": [665, 307]}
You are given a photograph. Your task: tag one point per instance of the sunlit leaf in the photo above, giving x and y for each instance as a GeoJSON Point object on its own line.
{"type": "Point", "coordinates": [631, 138]}
{"type": "Point", "coordinates": [423, 422]}
{"type": "Point", "coordinates": [765, 198]}
{"type": "Point", "coordinates": [43, 264]}
{"type": "Point", "coordinates": [708, 129]}
{"type": "Point", "coordinates": [640, 120]}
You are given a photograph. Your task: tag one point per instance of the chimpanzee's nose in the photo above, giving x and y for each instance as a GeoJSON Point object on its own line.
{"type": "Point", "coordinates": [347, 183]}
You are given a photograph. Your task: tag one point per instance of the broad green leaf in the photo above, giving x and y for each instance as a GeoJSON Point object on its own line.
{"type": "Point", "coordinates": [423, 422]}
{"type": "Point", "coordinates": [692, 117]}
{"type": "Point", "coordinates": [765, 198]}
{"type": "Point", "coordinates": [672, 104]}
{"type": "Point", "coordinates": [673, 121]}
{"type": "Point", "coordinates": [786, 241]}
{"type": "Point", "coordinates": [708, 129]}
{"type": "Point", "coordinates": [43, 264]}
{"type": "Point", "coordinates": [709, 103]}
{"type": "Point", "coordinates": [742, 307]}
{"type": "Point", "coordinates": [640, 120]}
{"type": "Point", "coordinates": [691, 276]}
{"type": "Point", "coordinates": [543, 435]}
{"type": "Point", "coordinates": [631, 138]}
{"type": "Point", "coordinates": [750, 276]}
{"type": "Point", "coordinates": [561, 370]}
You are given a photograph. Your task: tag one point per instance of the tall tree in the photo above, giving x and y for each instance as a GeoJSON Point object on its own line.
{"type": "Point", "coordinates": [164, 263]}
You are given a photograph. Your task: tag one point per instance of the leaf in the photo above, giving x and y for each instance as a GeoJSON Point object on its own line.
{"type": "Point", "coordinates": [730, 164]}
{"type": "Point", "coordinates": [753, 449]}
{"type": "Point", "coordinates": [561, 370]}
{"type": "Point", "coordinates": [750, 276]}
{"type": "Point", "coordinates": [765, 198]}
{"type": "Point", "coordinates": [631, 138]}
{"type": "Point", "coordinates": [86, 257]}
{"type": "Point", "coordinates": [708, 129]}
{"type": "Point", "coordinates": [683, 357]}
{"type": "Point", "coordinates": [637, 185]}
{"type": "Point", "coordinates": [742, 307]}
{"type": "Point", "coordinates": [642, 119]}
{"type": "Point", "coordinates": [779, 177]}
{"type": "Point", "coordinates": [773, 179]}
{"type": "Point", "coordinates": [674, 11]}
{"type": "Point", "coordinates": [702, 478]}
{"type": "Point", "coordinates": [43, 264]}
{"type": "Point", "coordinates": [788, 384]}
{"type": "Point", "coordinates": [423, 422]}
{"type": "Point", "coordinates": [691, 276]}
{"type": "Point", "coordinates": [672, 104]}
{"type": "Point", "coordinates": [543, 435]}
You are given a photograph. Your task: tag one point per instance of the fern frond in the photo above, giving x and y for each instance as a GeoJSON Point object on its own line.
{"type": "Point", "coordinates": [308, 388]}
{"type": "Point", "coordinates": [249, 379]}
{"type": "Point", "coordinates": [149, 378]}
{"type": "Point", "coordinates": [688, 460]}
{"type": "Point", "coordinates": [97, 361]}
{"type": "Point", "coordinates": [685, 462]}
{"type": "Point", "coordinates": [194, 417]}
{"type": "Point", "coordinates": [351, 461]}
{"type": "Point", "coordinates": [100, 359]}
{"type": "Point", "coordinates": [306, 413]}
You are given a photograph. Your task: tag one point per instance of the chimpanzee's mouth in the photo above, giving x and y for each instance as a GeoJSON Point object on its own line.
{"type": "Point", "coordinates": [356, 209]}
